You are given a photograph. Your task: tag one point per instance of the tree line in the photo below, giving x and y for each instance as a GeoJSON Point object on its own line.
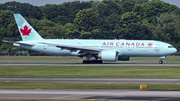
{"type": "Point", "coordinates": [108, 19]}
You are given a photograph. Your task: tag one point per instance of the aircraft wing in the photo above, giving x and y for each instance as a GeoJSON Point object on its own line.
{"type": "Point", "coordinates": [21, 43]}
{"type": "Point", "coordinates": [74, 48]}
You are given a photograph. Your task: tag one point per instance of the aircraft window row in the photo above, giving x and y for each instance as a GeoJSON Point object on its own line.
{"type": "Point", "coordinates": [170, 47]}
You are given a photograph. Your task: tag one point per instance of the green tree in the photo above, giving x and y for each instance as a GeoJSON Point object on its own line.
{"type": "Point", "coordinates": [168, 28]}
{"type": "Point", "coordinates": [8, 27]}
{"type": "Point", "coordinates": [101, 34]}
{"type": "Point", "coordinates": [130, 17]}
{"type": "Point", "coordinates": [85, 35]}
{"type": "Point", "coordinates": [50, 11]}
{"type": "Point", "coordinates": [156, 7]}
{"type": "Point", "coordinates": [75, 34]}
{"type": "Point", "coordinates": [60, 32]}
{"type": "Point", "coordinates": [141, 1]}
{"type": "Point", "coordinates": [110, 23]}
{"type": "Point", "coordinates": [127, 5]}
{"type": "Point", "coordinates": [72, 31]}
{"type": "Point", "coordinates": [86, 20]}
{"type": "Point", "coordinates": [135, 32]}
{"type": "Point", "coordinates": [176, 11]}
{"type": "Point", "coordinates": [45, 29]}
{"type": "Point", "coordinates": [66, 11]}
{"type": "Point", "coordinates": [108, 7]}
{"type": "Point", "coordinates": [69, 27]}
{"type": "Point", "coordinates": [139, 9]}
{"type": "Point", "coordinates": [25, 9]}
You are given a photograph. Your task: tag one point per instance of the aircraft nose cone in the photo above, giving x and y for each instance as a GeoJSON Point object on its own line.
{"type": "Point", "coordinates": [175, 50]}
{"type": "Point", "coordinates": [172, 51]}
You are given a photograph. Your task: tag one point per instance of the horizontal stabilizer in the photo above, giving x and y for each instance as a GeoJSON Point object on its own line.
{"type": "Point", "coordinates": [21, 43]}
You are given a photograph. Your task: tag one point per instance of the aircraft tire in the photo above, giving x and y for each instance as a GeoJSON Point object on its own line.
{"type": "Point", "coordinates": [93, 61]}
{"type": "Point", "coordinates": [100, 61]}
{"type": "Point", "coordinates": [160, 62]}
{"type": "Point", "coordinates": [88, 62]}
{"type": "Point", "coordinates": [84, 62]}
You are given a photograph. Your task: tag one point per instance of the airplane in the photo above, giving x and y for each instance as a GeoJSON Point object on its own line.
{"type": "Point", "coordinates": [100, 50]}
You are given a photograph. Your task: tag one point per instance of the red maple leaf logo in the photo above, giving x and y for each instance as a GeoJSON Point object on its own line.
{"type": "Point", "coordinates": [150, 44]}
{"type": "Point", "coordinates": [25, 31]}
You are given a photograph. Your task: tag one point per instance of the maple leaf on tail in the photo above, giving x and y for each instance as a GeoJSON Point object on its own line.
{"type": "Point", "coordinates": [25, 31]}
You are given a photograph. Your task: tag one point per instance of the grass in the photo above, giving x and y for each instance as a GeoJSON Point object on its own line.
{"type": "Point", "coordinates": [89, 72]}
{"type": "Point", "coordinates": [74, 59]}
{"type": "Point", "coordinates": [32, 85]}
{"type": "Point", "coordinates": [38, 59]}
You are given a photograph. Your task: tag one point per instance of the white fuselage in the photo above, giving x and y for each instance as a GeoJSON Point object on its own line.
{"type": "Point", "coordinates": [132, 48]}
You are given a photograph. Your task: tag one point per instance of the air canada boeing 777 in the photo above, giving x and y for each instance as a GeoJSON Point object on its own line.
{"type": "Point", "coordinates": [101, 50]}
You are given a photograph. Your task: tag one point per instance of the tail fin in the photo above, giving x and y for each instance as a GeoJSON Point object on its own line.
{"type": "Point", "coordinates": [27, 32]}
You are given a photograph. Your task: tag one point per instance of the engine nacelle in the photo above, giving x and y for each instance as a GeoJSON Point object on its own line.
{"type": "Point", "coordinates": [108, 55]}
{"type": "Point", "coordinates": [124, 58]}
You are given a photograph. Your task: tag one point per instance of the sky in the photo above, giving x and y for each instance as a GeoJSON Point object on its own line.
{"type": "Point", "coordinates": [43, 2]}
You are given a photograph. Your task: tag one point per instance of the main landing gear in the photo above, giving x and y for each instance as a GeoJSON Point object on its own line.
{"type": "Point", "coordinates": [92, 62]}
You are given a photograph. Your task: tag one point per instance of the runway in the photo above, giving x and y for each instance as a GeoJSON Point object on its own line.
{"type": "Point", "coordinates": [80, 64]}
{"type": "Point", "coordinates": [94, 80]}
{"type": "Point", "coordinates": [72, 94]}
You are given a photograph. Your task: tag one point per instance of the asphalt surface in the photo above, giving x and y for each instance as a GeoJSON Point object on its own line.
{"type": "Point", "coordinates": [71, 94]}
{"type": "Point", "coordinates": [94, 80]}
{"type": "Point", "coordinates": [80, 64]}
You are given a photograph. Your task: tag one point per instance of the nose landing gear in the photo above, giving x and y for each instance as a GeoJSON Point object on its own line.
{"type": "Point", "coordinates": [161, 59]}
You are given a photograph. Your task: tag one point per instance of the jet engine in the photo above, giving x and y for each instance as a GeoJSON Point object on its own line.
{"type": "Point", "coordinates": [108, 55]}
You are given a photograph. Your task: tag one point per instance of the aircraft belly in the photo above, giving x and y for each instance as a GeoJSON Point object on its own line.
{"type": "Point", "coordinates": [145, 52]}
{"type": "Point", "coordinates": [56, 51]}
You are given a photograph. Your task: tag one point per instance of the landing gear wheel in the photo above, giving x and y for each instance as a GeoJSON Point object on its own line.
{"type": "Point", "coordinates": [160, 62]}
{"type": "Point", "coordinates": [88, 62]}
{"type": "Point", "coordinates": [100, 61]}
{"type": "Point", "coordinates": [93, 62]}
{"type": "Point", "coordinates": [84, 62]}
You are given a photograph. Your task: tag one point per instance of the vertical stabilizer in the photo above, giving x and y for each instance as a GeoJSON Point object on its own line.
{"type": "Point", "coordinates": [27, 32]}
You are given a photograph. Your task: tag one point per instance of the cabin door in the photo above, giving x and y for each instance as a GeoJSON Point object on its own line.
{"type": "Point", "coordinates": [157, 47]}
{"type": "Point", "coordinates": [129, 50]}
{"type": "Point", "coordinates": [79, 44]}
{"type": "Point", "coordinates": [44, 46]}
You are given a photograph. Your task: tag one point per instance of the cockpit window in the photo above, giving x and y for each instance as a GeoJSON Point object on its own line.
{"type": "Point", "coordinates": [170, 47]}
